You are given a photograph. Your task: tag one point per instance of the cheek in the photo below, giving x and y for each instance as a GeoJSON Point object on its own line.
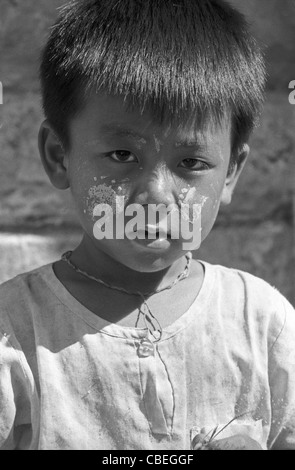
{"type": "Point", "coordinates": [99, 194]}
{"type": "Point", "coordinates": [202, 203]}
{"type": "Point", "coordinates": [113, 193]}
{"type": "Point", "coordinates": [191, 198]}
{"type": "Point", "coordinates": [210, 209]}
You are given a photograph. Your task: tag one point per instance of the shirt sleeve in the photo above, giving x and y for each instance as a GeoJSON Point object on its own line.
{"type": "Point", "coordinates": [282, 381]}
{"type": "Point", "coordinates": [17, 397]}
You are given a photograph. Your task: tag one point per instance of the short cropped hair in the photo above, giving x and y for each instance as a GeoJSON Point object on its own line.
{"type": "Point", "coordinates": [178, 58]}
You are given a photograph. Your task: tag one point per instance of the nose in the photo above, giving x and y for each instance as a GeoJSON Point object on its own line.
{"type": "Point", "coordinates": [155, 187]}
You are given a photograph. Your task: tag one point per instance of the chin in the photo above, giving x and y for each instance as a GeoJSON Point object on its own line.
{"type": "Point", "coordinates": [146, 265]}
{"type": "Point", "coordinates": [141, 258]}
{"type": "Point", "coordinates": [148, 262]}
{"type": "Point", "coordinates": [140, 268]}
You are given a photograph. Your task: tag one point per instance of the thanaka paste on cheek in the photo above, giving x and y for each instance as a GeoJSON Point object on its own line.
{"type": "Point", "coordinates": [190, 195]}
{"type": "Point", "coordinates": [105, 194]}
{"type": "Point", "coordinates": [100, 194]}
{"type": "Point", "coordinates": [197, 208]}
{"type": "Point", "coordinates": [186, 195]}
{"type": "Point", "coordinates": [195, 202]}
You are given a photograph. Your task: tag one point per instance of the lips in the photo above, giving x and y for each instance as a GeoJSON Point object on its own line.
{"type": "Point", "coordinates": [155, 231]}
{"type": "Point", "coordinates": [155, 241]}
{"type": "Point", "coordinates": [152, 233]}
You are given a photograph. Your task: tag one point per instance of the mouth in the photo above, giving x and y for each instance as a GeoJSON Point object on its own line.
{"type": "Point", "coordinates": [152, 238]}
{"type": "Point", "coordinates": [153, 233]}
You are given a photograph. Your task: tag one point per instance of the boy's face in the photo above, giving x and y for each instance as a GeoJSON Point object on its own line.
{"type": "Point", "coordinates": [119, 152]}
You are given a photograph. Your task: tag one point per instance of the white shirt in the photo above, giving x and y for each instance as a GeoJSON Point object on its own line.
{"type": "Point", "coordinates": [71, 380]}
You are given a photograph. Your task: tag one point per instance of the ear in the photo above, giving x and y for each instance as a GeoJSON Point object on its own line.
{"type": "Point", "coordinates": [53, 156]}
{"type": "Point", "coordinates": [234, 174]}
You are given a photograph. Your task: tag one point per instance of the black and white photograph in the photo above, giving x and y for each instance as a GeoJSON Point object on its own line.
{"type": "Point", "coordinates": [147, 227]}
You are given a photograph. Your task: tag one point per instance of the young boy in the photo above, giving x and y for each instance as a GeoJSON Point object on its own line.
{"type": "Point", "coordinates": [126, 342]}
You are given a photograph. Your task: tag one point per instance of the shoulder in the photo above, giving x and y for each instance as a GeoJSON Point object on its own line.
{"type": "Point", "coordinates": [253, 297]}
{"type": "Point", "coordinates": [235, 281]}
{"type": "Point", "coordinates": [227, 277]}
{"type": "Point", "coordinates": [21, 283]}
{"type": "Point", "coordinates": [17, 295]}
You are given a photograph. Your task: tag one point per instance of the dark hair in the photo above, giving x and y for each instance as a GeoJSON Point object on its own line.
{"type": "Point", "coordinates": [180, 58]}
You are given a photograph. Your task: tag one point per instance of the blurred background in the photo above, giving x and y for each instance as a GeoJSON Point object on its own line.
{"type": "Point", "coordinates": [37, 223]}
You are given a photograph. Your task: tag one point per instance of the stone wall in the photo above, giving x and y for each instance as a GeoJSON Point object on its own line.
{"type": "Point", "coordinates": [255, 233]}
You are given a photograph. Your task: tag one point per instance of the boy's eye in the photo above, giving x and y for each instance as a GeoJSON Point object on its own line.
{"type": "Point", "coordinates": [122, 156]}
{"type": "Point", "coordinates": [194, 164]}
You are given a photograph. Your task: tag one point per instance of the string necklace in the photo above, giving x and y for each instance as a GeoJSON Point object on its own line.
{"type": "Point", "coordinates": [153, 326]}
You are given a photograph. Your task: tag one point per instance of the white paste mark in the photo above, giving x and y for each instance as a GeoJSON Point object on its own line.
{"type": "Point", "coordinates": [158, 143]}
{"type": "Point", "coordinates": [100, 194]}
{"type": "Point", "coordinates": [190, 194]}
{"type": "Point", "coordinates": [140, 142]}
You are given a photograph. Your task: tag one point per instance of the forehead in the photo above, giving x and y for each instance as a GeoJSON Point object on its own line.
{"type": "Point", "coordinates": [111, 116]}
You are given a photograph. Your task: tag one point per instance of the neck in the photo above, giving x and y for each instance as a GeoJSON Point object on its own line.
{"type": "Point", "coordinates": [89, 258]}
